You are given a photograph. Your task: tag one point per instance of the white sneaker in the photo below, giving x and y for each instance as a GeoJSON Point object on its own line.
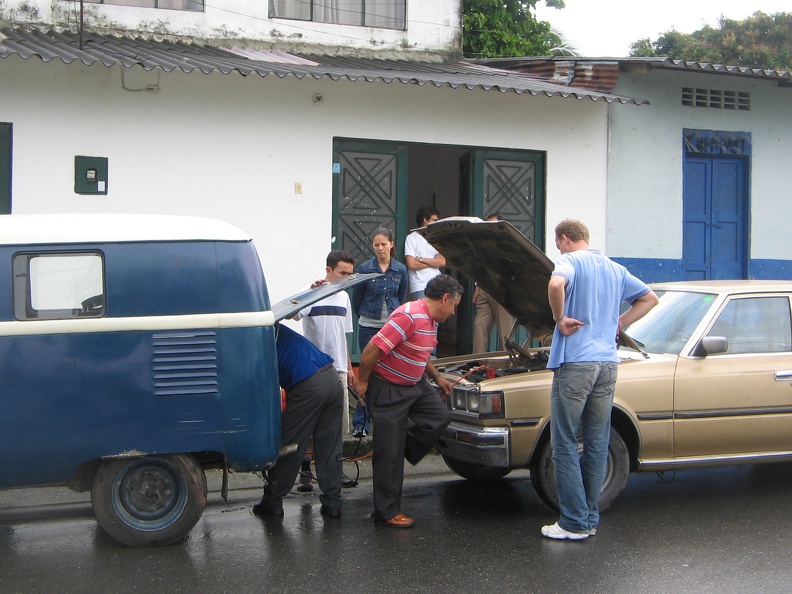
{"type": "Point", "coordinates": [556, 532]}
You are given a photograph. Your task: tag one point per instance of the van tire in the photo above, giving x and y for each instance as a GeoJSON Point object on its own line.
{"type": "Point", "coordinates": [149, 501]}
{"type": "Point", "coordinates": [616, 473]}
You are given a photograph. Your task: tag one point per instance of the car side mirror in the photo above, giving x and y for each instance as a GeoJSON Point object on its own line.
{"type": "Point", "coordinates": [712, 345]}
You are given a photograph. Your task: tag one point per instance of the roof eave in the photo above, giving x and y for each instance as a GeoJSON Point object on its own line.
{"type": "Point", "coordinates": [169, 56]}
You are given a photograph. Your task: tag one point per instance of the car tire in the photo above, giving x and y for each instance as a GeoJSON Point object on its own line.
{"type": "Point", "coordinates": [616, 474]}
{"type": "Point", "coordinates": [476, 472]}
{"type": "Point", "coordinates": [150, 501]}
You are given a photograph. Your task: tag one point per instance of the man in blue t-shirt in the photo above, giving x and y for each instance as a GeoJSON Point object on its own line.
{"type": "Point", "coordinates": [585, 291]}
{"type": "Point", "coordinates": [314, 407]}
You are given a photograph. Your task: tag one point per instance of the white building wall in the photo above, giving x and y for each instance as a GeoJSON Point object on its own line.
{"type": "Point", "coordinates": [233, 148]}
{"type": "Point", "coordinates": [431, 26]}
{"type": "Point", "coordinates": [646, 162]}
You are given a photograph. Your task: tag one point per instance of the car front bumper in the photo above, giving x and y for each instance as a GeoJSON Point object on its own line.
{"type": "Point", "coordinates": [485, 446]}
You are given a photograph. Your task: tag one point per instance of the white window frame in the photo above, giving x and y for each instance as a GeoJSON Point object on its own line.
{"type": "Point", "coordinates": [343, 12]}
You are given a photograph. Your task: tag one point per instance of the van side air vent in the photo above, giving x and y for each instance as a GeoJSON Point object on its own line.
{"type": "Point", "coordinates": [185, 364]}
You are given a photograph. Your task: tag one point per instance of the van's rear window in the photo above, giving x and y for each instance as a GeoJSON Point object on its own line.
{"type": "Point", "coordinates": [52, 286]}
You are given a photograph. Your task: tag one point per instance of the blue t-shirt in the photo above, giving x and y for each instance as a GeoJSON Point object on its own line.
{"type": "Point", "coordinates": [595, 288]}
{"type": "Point", "coordinates": [298, 358]}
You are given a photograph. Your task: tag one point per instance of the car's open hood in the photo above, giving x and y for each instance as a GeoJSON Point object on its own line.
{"type": "Point", "coordinates": [291, 305]}
{"type": "Point", "coordinates": [503, 261]}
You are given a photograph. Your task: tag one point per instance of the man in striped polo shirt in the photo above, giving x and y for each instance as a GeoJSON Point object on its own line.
{"type": "Point", "coordinates": [392, 381]}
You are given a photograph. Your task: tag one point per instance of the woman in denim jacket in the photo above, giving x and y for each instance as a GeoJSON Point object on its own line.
{"type": "Point", "coordinates": [374, 301]}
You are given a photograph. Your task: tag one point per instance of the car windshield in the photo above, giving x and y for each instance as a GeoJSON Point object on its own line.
{"type": "Point", "coordinates": [668, 326]}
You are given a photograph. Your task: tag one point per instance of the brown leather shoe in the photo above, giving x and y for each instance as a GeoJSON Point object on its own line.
{"type": "Point", "coordinates": [398, 521]}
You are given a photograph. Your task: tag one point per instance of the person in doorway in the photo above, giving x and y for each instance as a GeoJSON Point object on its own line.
{"type": "Point", "coordinates": [489, 313]}
{"type": "Point", "coordinates": [422, 260]}
{"type": "Point", "coordinates": [585, 292]}
{"type": "Point", "coordinates": [374, 301]}
{"type": "Point", "coordinates": [408, 412]}
{"type": "Point", "coordinates": [326, 324]}
{"type": "Point", "coordinates": [314, 406]}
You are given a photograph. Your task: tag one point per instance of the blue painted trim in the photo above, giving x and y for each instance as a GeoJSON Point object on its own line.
{"type": "Point", "coordinates": [771, 269]}
{"type": "Point", "coordinates": [654, 270]}
{"type": "Point", "coordinates": [658, 270]}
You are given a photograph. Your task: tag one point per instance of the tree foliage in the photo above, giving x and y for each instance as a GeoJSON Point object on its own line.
{"type": "Point", "coordinates": [760, 41]}
{"type": "Point", "coordinates": [506, 28]}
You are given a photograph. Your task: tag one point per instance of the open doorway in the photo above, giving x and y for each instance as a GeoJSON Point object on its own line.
{"type": "Point", "coordinates": [379, 183]}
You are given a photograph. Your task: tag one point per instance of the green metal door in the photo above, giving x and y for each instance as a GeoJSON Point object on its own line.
{"type": "Point", "coordinates": [512, 185]}
{"type": "Point", "coordinates": [369, 191]}
{"type": "Point", "coordinates": [508, 183]}
{"type": "Point", "coordinates": [5, 168]}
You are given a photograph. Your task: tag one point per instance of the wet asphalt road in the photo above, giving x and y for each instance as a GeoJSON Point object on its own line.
{"type": "Point", "coordinates": [716, 530]}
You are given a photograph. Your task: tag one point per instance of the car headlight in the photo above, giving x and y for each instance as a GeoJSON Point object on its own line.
{"type": "Point", "coordinates": [485, 405]}
{"type": "Point", "coordinates": [460, 400]}
{"type": "Point", "coordinates": [474, 402]}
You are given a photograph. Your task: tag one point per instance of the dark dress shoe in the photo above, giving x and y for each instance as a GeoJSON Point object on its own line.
{"type": "Point", "coordinates": [262, 510]}
{"type": "Point", "coordinates": [398, 521]}
{"type": "Point", "coordinates": [330, 513]}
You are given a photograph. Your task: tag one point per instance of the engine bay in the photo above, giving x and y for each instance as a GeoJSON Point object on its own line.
{"type": "Point", "coordinates": [514, 361]}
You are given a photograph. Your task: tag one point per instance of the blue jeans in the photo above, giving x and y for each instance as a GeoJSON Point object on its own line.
{"type": "Point", "coordinates": [361, 417]}
{"type": "Point", "coordinates": [581, 398]}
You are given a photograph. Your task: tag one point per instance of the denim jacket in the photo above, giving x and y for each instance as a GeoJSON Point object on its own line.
{"type": "Point", "coordinates": [367, 297]}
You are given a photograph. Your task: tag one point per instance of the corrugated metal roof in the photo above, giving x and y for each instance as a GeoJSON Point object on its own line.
{"type": "Point", "coordinates": [668, 63]}
{"type": "Point", "coordinates": [601, 74]}
{"type": "Point", "coordinates": [28, 42]}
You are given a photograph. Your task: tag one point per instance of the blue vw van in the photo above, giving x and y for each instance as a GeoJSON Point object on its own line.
{"type": "Point", "coordinates": [135, 352]}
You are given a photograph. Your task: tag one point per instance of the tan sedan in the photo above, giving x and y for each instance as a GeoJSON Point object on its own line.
{"type": "Point", "coordinates": [707, 381]}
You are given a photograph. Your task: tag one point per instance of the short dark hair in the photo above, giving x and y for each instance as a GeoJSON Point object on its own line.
{"type": "Point", "coordinates": [442, 284]}
{"type": "Point", "coordinates": [425, 213]}
{"type": "Point", "coordinates": [336, 256]}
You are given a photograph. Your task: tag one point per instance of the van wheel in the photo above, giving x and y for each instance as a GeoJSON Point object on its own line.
{"type": "Point", "coordinates": [476, 472]}
{"type": "Point", "coordinates": [616, 473]}
{"type": "Point", "coordinates": [149, 501]}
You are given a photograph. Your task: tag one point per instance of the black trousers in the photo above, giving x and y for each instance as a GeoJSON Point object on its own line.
{"type": "Point", "coordinates": [409, 420]}
{"type": "Point", "coordinates": [313, 409]}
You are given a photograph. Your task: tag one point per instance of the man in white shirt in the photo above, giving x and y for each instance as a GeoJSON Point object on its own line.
{"type": "Point", "coordinates": [326, 324]}
{"type": "Point", "coordinates": [422, 260]}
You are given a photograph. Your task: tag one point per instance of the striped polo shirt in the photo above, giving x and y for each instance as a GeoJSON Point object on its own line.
{"type": "Point", "coordinates": [406, 341]}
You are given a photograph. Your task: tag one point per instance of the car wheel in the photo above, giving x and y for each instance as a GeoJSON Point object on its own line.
{"type": "Point", "coordinates": [616, 473]}
{"type": "Point", "coordinates": [149, 501]}
{"type": "Point", "coordinates": [476, 472]}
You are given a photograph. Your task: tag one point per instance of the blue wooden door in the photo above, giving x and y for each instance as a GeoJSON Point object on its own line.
{"type": "Point", "coordinates": [715, 207]}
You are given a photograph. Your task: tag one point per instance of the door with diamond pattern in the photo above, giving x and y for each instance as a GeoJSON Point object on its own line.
{"type": "Point", "coordinates": [369, 191]}
{"type": "Point", "coordinates": [510, 184]}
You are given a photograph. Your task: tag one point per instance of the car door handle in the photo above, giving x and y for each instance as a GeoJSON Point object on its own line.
{"type": "Point", "coordinates": [783, 376]}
